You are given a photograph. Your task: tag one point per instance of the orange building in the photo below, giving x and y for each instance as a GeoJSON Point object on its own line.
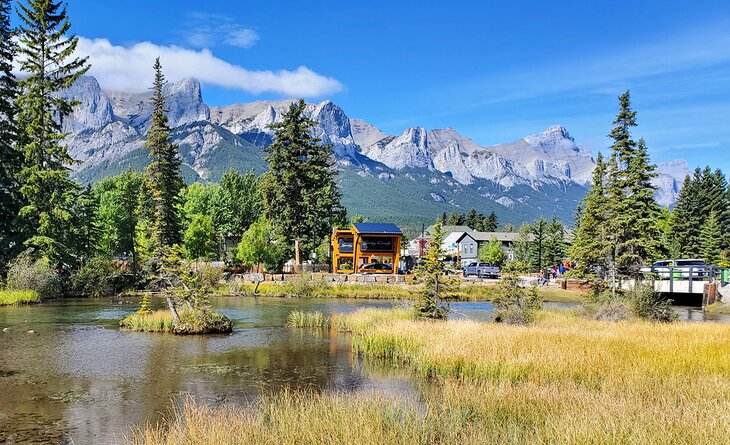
{"type": "Point", "coordinates": [366, 247]}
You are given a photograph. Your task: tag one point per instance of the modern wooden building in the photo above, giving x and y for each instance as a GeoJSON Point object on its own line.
{"type": "Point", "coordinates": [374, 244]}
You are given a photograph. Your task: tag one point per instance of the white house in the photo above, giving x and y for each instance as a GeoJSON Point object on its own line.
{"type": "Point", "coordinates": [469, 243]}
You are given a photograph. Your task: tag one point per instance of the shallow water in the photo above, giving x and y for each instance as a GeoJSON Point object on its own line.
{"type": "Point", "coordinates": [78, 379]}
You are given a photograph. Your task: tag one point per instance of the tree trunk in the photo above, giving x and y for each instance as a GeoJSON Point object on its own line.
{"type": "Point", "coordinates": [173, 309]}
{"type": "Point", "coordinates": [297, 257]}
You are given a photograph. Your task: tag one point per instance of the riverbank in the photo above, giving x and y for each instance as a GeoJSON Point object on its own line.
{"type": "Point", "coordinates": [563, 380]}
{"type": "Point", "coordinates": [465, 292]}
{"type": "Point", "coordinates": [719, 308]}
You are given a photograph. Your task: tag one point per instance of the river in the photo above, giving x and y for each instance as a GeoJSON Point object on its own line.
{"type": "Point", "coordinates": [78, 379]}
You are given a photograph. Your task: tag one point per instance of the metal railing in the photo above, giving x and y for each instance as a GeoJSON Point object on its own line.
{"type": "Point", "coordinates": [691, 274]}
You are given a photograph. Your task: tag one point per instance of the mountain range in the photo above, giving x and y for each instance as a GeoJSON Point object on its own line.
{"type": "Point", "coordinates": [407, 178]}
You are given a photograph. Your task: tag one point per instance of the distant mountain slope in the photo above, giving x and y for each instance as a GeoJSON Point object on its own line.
{"type": "Point", "coordinates": [407, 178]}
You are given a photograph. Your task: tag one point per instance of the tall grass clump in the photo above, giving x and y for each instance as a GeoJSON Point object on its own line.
{"type": "Point", "coordinates": [302, 319]}
{"type": "Point", "coordinates": [515, 303]}
{"type": "Point", "coordinates": [146, 321]}
{"type": "Point", "coordinates": [18, 297]}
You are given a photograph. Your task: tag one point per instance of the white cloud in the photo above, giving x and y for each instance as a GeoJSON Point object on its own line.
{"type": "Point", "coordinates": [208, 30]}
{"type": "Point", "coordinates": [129, 68]}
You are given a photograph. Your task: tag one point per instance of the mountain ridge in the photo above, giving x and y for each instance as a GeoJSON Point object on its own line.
{"type": "Point", "coordinates": [439, 167]}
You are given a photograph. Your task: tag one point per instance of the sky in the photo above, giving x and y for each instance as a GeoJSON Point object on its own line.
{"type": "Point", "coordinates": [493, 71]}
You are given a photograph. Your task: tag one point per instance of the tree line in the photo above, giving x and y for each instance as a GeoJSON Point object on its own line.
{"type": "Point", "coordinates": [473, 219]}
{"type": "Point", "coordinates": [620, 227]}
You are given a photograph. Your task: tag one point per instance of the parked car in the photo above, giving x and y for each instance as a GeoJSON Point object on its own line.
{"type": "Point", "coordinates": [376, 267]}
{"type": "Point", "coordinates": [681, 268]}
{"type": "Point", "coordinates": [481, 270]}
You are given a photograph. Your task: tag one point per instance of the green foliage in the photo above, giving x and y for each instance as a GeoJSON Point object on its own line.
{"type": "Point", "coordinates": [11, 160]}
{"type": "Point", "coordinates": [492, 253]}
{"type": "Point", "coordinates": [473, 219]}
{"type": "Point", "coordinates": [27, 273]}
{"type": "Point", "coordinates": [515, 303]}
{"type": "Point", "coordinates": [648, 304]}
{"type": "Point", "coordinates": [619, 226]}
{"type": "Point", "coordinates": [118, 215]}
{"type": "Point", "coordinates": [712, 242]}
{"type": "Point", "coordinates": [17, 297]}
{"type": "Point", "coordinates": [47, 190]}
{"type": "Point", "coordinates": [144, 306]}
{"type": "Point", "coordinates": [703, 194]}
{"type": "Point", "coordinates": [237, 203]}
{"type": "Point", "coordinates": [163, 174]}
{"type": "Point", "coordinates": [200, 239]}
{"type": "Point", "coordinates": [258, 246]}
{"type": "Point", "coordinates": [99, 277]}
{"type": "Point", "coordinates": [300, 194]}
{"type": "Point", "coordinates": [432, 273]}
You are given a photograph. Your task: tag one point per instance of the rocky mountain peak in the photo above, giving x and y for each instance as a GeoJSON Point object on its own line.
{"type": "Point", "coordinates": [94, 109]}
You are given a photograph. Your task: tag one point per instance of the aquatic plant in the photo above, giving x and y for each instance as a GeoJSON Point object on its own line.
{"type": "Point", "coordinates": [302, 319]}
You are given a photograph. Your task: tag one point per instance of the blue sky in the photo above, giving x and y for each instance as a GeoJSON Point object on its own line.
{"type": "Point", "coordinates": [494, 71]}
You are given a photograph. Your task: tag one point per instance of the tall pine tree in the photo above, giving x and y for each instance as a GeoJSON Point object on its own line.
{"type": "Point", "coordinates": [10, 157]}
{"type": "Point", "coordinates": [634, 236]}
{"type": "Point", "coordinates": [300, 194]}
{"type": "Point", "coordinates": [712, 242]}
{"type": "Point", "coordinates": [50, 66]}
{"type": "Point", "coordinates": [163, 173]}
{"type": "Point", "coordinates": [590, 237]}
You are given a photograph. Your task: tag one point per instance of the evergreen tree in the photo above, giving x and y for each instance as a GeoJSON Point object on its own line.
{"type": "Point", "coordinates": [634, 236]}
{"type": "Point", "coordinates": [473, 220]}
{"type": "Point", "coordinates": [48, 192]}
{"type": "Point", "coordinates": [491, 223]}
{"type": "Point", "coordinates": [432, 272]}
{"type": "Point", "coordinates": [590, 236]}
{"type": "Point", "coordinates": [554, 246]}
{"type": "Point", "coordinates": [10, 157]}
{"type": "Point", "coordinates": [712, 242]}
{"type": "Point", "coordinates": [686, 220]}
{"type": "Point", "coordinates": [86, 228]}
{"type": "Point", "coordinates": [299, 191]}
{"type": "Point", "coordinates": [163, 174]}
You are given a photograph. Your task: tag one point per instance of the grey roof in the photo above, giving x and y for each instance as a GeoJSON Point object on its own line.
{"type": "Point", "coordinates": [378, 228]}
{"type": "Point", "coordinates": [449, 229]}
{"type": "Point", "coordinates": [489, 236]}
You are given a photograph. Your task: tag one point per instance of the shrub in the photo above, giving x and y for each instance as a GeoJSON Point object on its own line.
{"type": "Point", "coordinates": [646, 303]}
{"type": "Point", "coordinates": [27, 273]}
{"type": "Point", "coordinates": [613, 311]}
{"type": "Point", "coordinates": [515, 303]}
{"type": "Point", "coordinates": [99, 277]}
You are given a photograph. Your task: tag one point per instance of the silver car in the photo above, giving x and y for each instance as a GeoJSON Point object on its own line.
{"type": "Point", "coordinates": [682, 268]}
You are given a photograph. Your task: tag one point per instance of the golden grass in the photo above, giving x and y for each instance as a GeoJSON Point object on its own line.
{"type": "Point", "coordinates": [718, 308]}
{"type": "Point", "coordinates": [466, 292]}
{"type": "Point", "coordinates": [157, 321]}
{"type": "Point", "coordinates": [18, 297]}
{"type": "Point", "coordinates": [562, 380]}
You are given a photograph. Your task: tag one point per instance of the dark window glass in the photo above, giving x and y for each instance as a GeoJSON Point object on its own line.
{"type": "Point", "coordinates": [346, 245]}
{"type": "Point", "coordinates": [376, 244]}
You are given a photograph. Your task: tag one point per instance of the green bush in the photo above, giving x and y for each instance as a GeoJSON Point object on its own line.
{"type": "Point", "coordinates": [100, 277]}
{"type": "Point", "coordinates": [648, 304]}
{"type": "Point", "coordinates": [28, 273]}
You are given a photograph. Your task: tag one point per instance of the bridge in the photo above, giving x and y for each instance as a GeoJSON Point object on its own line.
{"type": "Point", "coordinates": [690, 281]}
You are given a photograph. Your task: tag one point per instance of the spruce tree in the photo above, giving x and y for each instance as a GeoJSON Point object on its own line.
{"type": "Point", "coordinates": [163, 173]}
{"type": "Point", "coordinates": [686, 220]}
{"type": "Point", "coordinates": [10, 157]}
{"type": "Point", "coordinates": [712, 242]}
{"type": "Point", "coordinates": [491, 223]}
{"type": "Point", "coordinates": [588, 246]}
{"type": "Point", "coordinates": [633, 237]}
{"type": "Point", "coordinates": [300, 194]}
{"type": "Point", "coordinates": [49, 65]}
